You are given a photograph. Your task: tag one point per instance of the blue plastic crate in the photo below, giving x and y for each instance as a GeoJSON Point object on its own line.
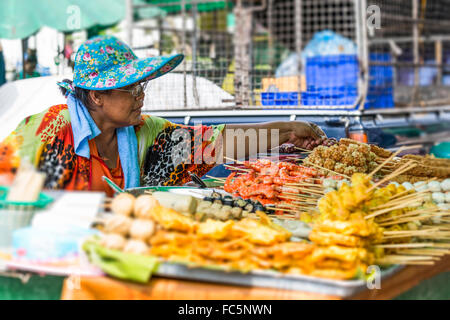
{"type": "Point", "coordinates": [279, 98]}
{"type": "Point", "coordinates": [332, 80]}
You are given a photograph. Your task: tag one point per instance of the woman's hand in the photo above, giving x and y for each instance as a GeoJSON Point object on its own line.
{"type": "Point", "coordinates": [304, 135]}
{"type": "Point", "coordinates": [301, 134]}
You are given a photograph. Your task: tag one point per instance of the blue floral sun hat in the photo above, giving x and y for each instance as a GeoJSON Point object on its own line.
{"type": "Point", "coordinates": [105, 62]}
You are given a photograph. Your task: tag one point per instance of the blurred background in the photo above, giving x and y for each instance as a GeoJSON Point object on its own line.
{"type": "Point", "coordinates": [376, 71]}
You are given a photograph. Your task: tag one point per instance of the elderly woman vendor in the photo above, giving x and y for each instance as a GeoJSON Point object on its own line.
{"type": "Point", "coordinates": [101, 132]}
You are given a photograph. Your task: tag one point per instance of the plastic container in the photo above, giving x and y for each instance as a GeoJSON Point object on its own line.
{"type": "Point", "coordinates": [15, 215]}
{"type": "Point", "coordinates": [333, 80]}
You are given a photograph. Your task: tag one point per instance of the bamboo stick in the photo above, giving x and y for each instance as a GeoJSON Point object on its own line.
{"type": "Point", "coordinates": [409, 214]}
{"type": "Point", "coordinates": [406, 245]}
{"type": "Point", "coordinates": [236, 168]}
{"type": "Point", "coordinates": [406, 167]}
{"type": "Point", "coordinates": [417, 263]}
{"type": "Point", "coordinates": [410, 258]}
{"type": "Point", "coordinates": [385, 162]}
{"type": "Point", "coordinates": [419, 195]}
{"type": "Point", "coordinates": [304, 150]}
{"type": "Point", "coordinates": [431, 252]}
{"type": "Point", "coordinates": [406, 204]}
{"type": "Point", "coordinates": [418, 218]}
{"type": "Point", "coordinates": [334, 172]}
{"type": "Point", "coordinates": [304, 184]}
{"type": "Point", "coordinates": [309, 191]}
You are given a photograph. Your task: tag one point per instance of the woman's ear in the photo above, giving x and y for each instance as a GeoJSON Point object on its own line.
{"type": "Point", "coordinates": [96, 98]}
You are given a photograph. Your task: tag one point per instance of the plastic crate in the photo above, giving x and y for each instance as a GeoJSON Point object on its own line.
{"type": "Point", "coordinates": [333, 80]}
{"type": "Point", "coordinates": [279, 98]}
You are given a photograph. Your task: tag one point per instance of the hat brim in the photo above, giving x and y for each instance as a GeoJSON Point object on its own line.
{"type": "Point", "coordinates": [132, 72]}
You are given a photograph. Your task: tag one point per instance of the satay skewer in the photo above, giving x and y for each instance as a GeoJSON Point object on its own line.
{"type": "Point", "coordinates": [418, 218]}
{"type": "Point", "coordinates": [406, 245]}
{"type": "Point", "coordinates": [334, 172]}
{"type": "Point", "coordinates": [406, 167]}
{"type": "Point", "coordinates": [405, 204]}
{"type": "Point", "coordinates": [385, 162]}
{"type": "Point", "coordinates": [236, 168]}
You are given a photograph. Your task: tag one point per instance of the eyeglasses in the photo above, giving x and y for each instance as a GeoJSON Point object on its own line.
{"type": "Point", "coordinates": [136, 90]}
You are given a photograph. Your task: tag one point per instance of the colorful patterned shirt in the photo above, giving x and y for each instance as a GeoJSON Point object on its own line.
{"type": "Point", "coordinates": [46, 139]}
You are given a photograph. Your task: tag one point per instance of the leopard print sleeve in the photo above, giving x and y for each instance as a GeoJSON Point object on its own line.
{"type": "Point", "coordinates": [168, 151]}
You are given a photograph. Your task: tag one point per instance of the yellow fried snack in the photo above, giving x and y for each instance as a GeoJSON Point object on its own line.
{"type": "Point", "coordinates": [258, 233]}
{"type": "Point", "coordinates": [331, 238]}
{"type": "Point", "coordinates": [172, 220]}
{"type": "Point", "coordinates": [336, 274]}
{"type": "Point", "coordinates": [338, 253]}
{"type": "Point", "coordinates": [358, 227]}
{"type": "Point", "coordinates": [215, 229]}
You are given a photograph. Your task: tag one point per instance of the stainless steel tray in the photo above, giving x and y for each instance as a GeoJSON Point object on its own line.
{"type": "Point", "coordinates": [269, 279]}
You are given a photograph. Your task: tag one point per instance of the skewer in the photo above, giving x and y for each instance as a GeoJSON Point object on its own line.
{"type": "Point", "coordinates": [282, 209]}
{"type": "Point", "coordinates": [385, 162]}
{"type": "Point", "coordinates": [407, 262]}
{"type": "Point", "coordinates": [215, 178]}
{"type": "Point", "coordinates": [320, 167]}
{"type": "Point", "coordinates": [418, 218]}
{"type": "Point", "coordinates": [304, 150]}
{"type": "Point", "coordinates": [406, 167]}
{"type": "Point", "coordinates": [431, 252]}
{"type": "Point", "coordinates": [405, 204]}
{"type": "Point", "coordinates": [301, 195]}
{"type": "Point", "coordinates": [407, 192]}
{"type": "Point", "coordinates": [406, 245]}
{"type": "Point", "coordinates": [410, 258]}
{"type": "Point", "coordinates": [409, 231]}
{"type": "Point", "coordinates": [236, 168]}
{"type": "Point", "coordinates": [304, 184]}
{"type": "Point", "coordinates": [234, 160]}
{"type": "Point", "coordinates": [398, 201]}
{"type": "Point", "coordinates": [409, 214]}
{"type": "Point", "coordinates": [308, 190]}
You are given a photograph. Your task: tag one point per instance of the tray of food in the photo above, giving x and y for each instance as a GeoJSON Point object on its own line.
{"type": "Point", "coordinates": [304, 224]}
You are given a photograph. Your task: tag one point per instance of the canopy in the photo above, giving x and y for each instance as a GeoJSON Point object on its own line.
{"type": "Point", "coordinates": [201, 5]}
{"type": "Point", "coordinates": [22, 18]}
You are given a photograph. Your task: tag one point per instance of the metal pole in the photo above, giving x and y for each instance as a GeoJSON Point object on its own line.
{"type": "Point", "coordinates": [183, 44]}
{"type": "Point", "coordinates": [270, 36]}
{"type": "Point", "coordinates": [129, 22]}
{"type": "Point", "coordinates": [194, 54]}
{"type": "Point", "coordinates": [415, 14]}
{"type": "Point", "coordinates": [438, 55]}
{"type": "Point", "coordinates": [23, 58]}
{"type": "Point", "coordinates": [298, 45]}
{"type": "Point", "coordinates": [363, 56]}
{"type": "Point", "coordinates": [160, 32]}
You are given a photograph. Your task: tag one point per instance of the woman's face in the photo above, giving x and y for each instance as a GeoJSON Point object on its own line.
{"type": "Point", "coordinates": [122, 108]}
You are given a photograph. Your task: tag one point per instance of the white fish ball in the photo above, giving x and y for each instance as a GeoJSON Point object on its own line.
{"type": "Point", "coordinates": [136, 247]}
{"type": "Point", "coordinates": [142, 229]}
{"type": "Point", "coordinates": [421, 186]}
{"type": "Point", "coordinates": [445, 185]}
{"type": "Point", "coordinates": [434, 186]}
{"type": "Point", "coordinates": [119, 224]}
{"type": "Point", "coordinates": [329, 183]}
{"type": "Point", "coordinates": [438, 197]}
{"type": "Point", "coordinates": [408, 185]}
{"type": "Point", "coordinates": [447, 197]}
{"type": "Point", "coordinates": [123, 204]}
{"type": "Point", "coordinates": [144, 205]}
{"type": "Point", "coordinates": [113, 241]}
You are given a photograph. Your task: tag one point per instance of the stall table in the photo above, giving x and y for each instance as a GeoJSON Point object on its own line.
{"type": "Point", "coordinates": [423, 282]}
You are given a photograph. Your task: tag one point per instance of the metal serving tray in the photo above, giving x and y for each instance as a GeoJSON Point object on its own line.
{"type": "Point", "coordinates": [262, 278]}
{"type": "Point", "coordinates": [270, 279]}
